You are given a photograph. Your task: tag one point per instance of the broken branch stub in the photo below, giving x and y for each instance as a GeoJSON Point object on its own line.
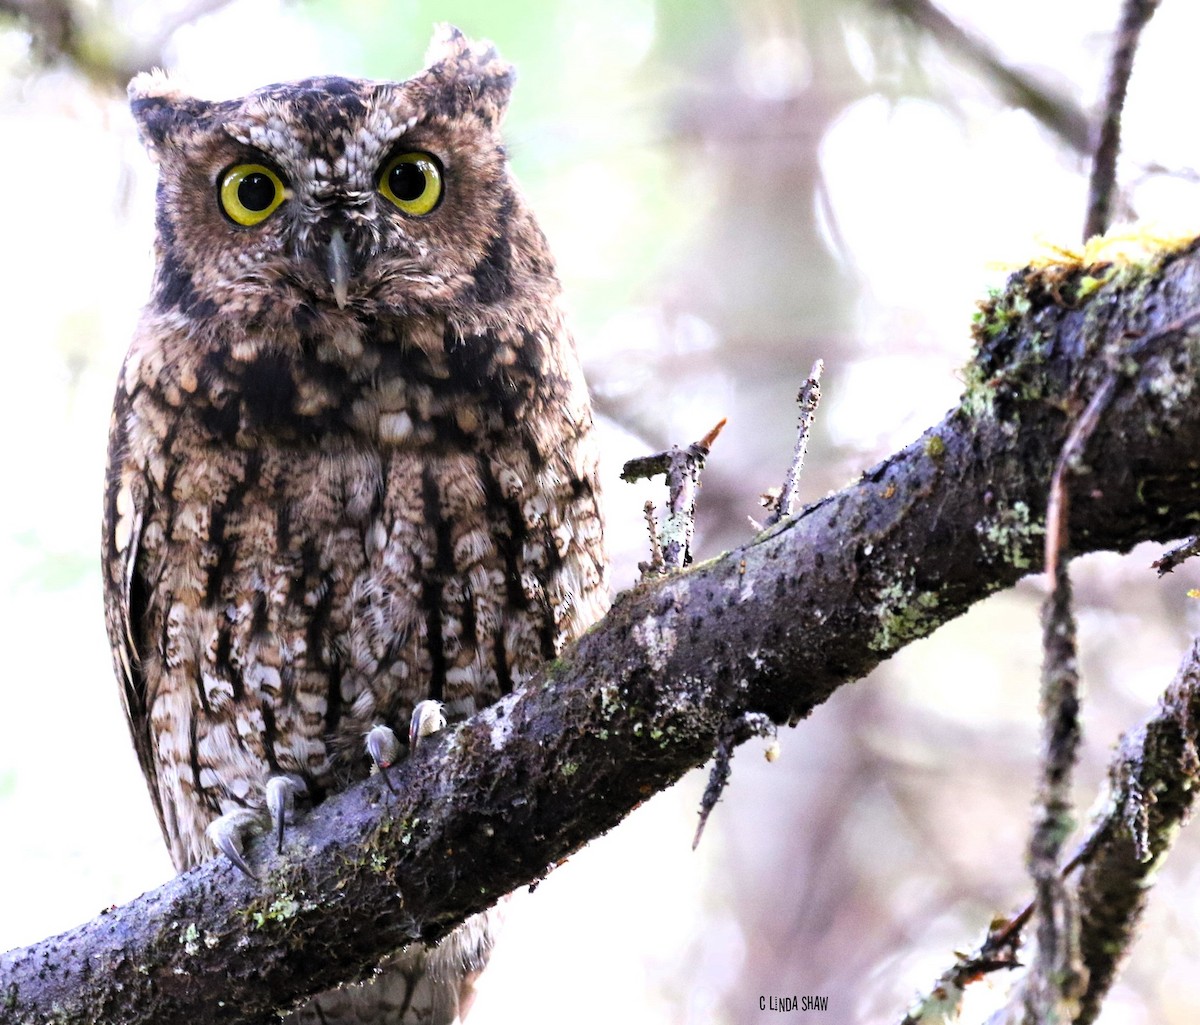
{"type": "Point", "coordinates": [682, 468]}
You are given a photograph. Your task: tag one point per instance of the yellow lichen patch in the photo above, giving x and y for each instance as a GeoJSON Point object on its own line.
{"type": "Point", "coordinates": [1070, 274]}
{"type": "Point", "coordinates": [1138, 243]}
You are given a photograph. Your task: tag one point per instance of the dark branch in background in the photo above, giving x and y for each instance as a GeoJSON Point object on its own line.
{"type": "Point", "coordinates": [771, 629]}
{"type": "Point", "coordinates": [80, 36]}
{"type": "Point", "coordinates": [1053, 110]}
{"type": "Point", "coordinates": [1135, 14]}
{"type": "Point", "coordinates": [51, 24]}
{"type": "Point", "coordinates": [173, 21]}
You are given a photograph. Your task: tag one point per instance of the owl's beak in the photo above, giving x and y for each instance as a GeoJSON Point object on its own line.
{"type": "Point", "coordinates": [337, 263]}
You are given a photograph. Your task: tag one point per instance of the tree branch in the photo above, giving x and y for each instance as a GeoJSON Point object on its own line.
{"type": "Point", "coordinates": [1054, 110]}
{"type": "Point", "coordinates": [1058, 977]}
{"type": "Point", "coordinates": [85, 37]}
{"type": "Point", "coordinates": [1152, 784]}
{"type": "Point", "coordinates": [773, 628]}
{"type": "Point", "coordinates": [1152, 787]}
{"type": "Point", "coordinates": [1135, 15]}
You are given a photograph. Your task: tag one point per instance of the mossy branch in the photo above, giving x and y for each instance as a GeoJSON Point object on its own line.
{"type": "Point", "coordinates": [771, 629]}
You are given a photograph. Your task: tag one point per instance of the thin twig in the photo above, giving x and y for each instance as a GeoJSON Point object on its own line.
{"type": "Point", "coordinates": [808, 399]}
{"type": "Point", "coordinates": [655, 565]}
{"type": "Point", "coordinates": [1057, 507]}
{"type": "Point", "coordinates": [732, 732]}
{"type": "Point", "coordinates": [718, 777]}
{"type": "Point", "coordinates": [1135, 14]}
{"type": "Point", "coordinates": [1059, 977]}
{"type": "Point", "coordinates": [1175, 557]}
{"type": "Point", "coordinates": [944, 1000]}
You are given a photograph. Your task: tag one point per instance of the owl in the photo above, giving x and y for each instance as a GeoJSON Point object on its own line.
{"type": "Point", "coordinates": [351, 467]}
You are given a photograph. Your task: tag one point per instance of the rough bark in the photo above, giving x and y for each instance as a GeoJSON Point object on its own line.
{"type": "Point", "coordinates": [1152, 789]}
{"type": "Point", "coordinates": [774, 627]}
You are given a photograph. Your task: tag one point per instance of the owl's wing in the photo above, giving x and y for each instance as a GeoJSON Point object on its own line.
{"type": "Point", "coordinates": [125, 594]}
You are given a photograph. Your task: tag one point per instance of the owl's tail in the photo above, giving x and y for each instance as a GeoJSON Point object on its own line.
{"type": "Point", "coordinates": [418, 986]}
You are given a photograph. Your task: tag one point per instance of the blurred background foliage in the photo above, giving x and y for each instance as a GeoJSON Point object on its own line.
{"type": "Point", "coordinates": [733, 188]}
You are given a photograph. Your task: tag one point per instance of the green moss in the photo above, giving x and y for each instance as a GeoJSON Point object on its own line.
{"type": "Point", "coordinates": [705, 563]}
{"type": "Point", "coordinates": [935, 447]}
{"type": "Point", "coordinates": [191, 938]}
{"type": "Point", "coordinates": [282, 908]}
{"type": "Point", "coordinates": [1000, 311]}
{"type": "Point", "coordinates": [1011, 346]}
{"type": "Point", "coordinates": [554, 668]}
{"type": "Point", "coordinates": [1007, 348]}
{"type": "Point", "coordinates": [1090, 283]}
{"type": "Point", "coordinates": [408, 830]}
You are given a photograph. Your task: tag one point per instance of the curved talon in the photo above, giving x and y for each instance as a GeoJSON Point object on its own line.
{"type": "Point", "coordinates": [281, 802]}
{"type": "Point", "coordinates": [427, 719]}
{"type": "Point", "coordinates": [227, 832]}
{"type": "Point", "coordinates": [383, 746]}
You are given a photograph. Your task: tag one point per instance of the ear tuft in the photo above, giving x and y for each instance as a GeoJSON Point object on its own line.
{"type": "Point", "coordinates": [447, 43]}
{"type": "Point", "coordinates": [475, 75]}
{"type": "Point", "coordinates": [152, 84]}
{"type": "Point", "coordinates": [161, 109]}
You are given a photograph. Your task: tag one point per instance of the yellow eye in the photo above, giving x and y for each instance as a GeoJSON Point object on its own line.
{"type": "Point", "coordinates": [413, 182]}
{"type": "Point", "coordinates": [250, 193]}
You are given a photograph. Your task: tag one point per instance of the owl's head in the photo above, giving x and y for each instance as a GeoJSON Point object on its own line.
{"type": "Point", "coordinates": [337, 196]}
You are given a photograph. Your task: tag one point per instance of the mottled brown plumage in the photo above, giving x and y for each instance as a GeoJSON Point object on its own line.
{"type": "Point", "coordinates": [350, 463]}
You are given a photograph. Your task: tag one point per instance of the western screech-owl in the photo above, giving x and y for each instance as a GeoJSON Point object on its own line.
{"type": "Point", "coordinates": [351, 464]}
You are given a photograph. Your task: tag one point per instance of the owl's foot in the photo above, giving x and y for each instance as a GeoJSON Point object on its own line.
{"type": "Point", "coordinates": [427, 719]}
{"type": "Point", "coordinates": [281, 803]}
{"type": "Point", "coordinates": [383, 746]}
{"type": "Point", "coordinates": [228, 833]}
